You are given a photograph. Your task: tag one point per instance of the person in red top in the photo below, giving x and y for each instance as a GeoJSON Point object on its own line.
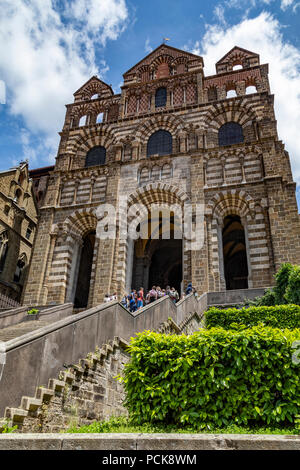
{"type": "Point", "coordinates": [140, 298]}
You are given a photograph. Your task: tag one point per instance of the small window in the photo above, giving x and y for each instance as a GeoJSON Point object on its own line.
{"type": "Point", "coordinates": [237, 67]}
{"type": "Point", "coordinates": [6, 210]}
{"type": "Point", "coordinates": [96, 156]}
{"type": "Point", "coordinates": [231, 133]}
{"type": "Point", "coordinates": [28, 233]}
{"type": "Point", "coordinates": [160, 143]}
{"type": "Point", "coordinates": [251, 89]}
{"type": "Point", "coordinates": [99, 118]}
{"type": "Point", "coordinates": [18, 195]}
{"type": "Point", "coordinates": [82, 121]}
{"type": "Point", "coordinates": [231, 94]}
{"type": "Point", "coordinates": [161, 98]}
{"type": "Point", "coordinates": [212, 94]}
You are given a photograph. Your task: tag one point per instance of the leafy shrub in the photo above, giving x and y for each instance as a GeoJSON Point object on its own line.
{"type": "Point", "coordinates": [33, 311]}
{"type": "Point", "coordinates": [286, 289]}
{"type": "Point", "coordinates": [281, 282]}
{"type": "Point", "coordinates": [280, 316]}
{"type": "Point", "coordinates": [268, 299]}
{"type": "Point", "coordinates": [293, 289]}
{"type": "Point", "coordinates": [213, 378]}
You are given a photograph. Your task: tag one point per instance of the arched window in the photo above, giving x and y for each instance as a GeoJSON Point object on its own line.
{"type": "Point", "coordinates": [160, 97]}
{"type": "Point", "coordinates": [231, 133]}
{"type": "Point", "coordinates": [3, 249]}
{"type": "Point", "coordinates": [212, 94]}
{"type": "Point", "coordinates": [160, 143]}
{"type": "Point", "coordinates": [251, 89]}
{"type": "Point", "coordinates": [22, 261]}
{"type": "Point", "coordinates": [96, 156]}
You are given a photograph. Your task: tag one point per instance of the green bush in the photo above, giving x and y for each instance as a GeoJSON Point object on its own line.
{"type": "Point", "coordinates": [286, 289]}
{"type": "Point", "coordinates": [214, 378]}
{"type": "Point", "coordinates": [293, 289]}
{"type": "Point", "coordinates": [280, 316]}
{"type": "Point", "coordinates": [281, 282]}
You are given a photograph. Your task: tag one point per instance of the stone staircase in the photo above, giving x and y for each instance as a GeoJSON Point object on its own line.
{"type": "Point", "coordinates": [89, 386]}
{"type": "Point", "coordinates": [14, 331]}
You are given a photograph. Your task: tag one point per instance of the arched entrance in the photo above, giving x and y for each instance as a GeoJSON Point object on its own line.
{"type": "Point", "coordinates": [157, 257]}
{"type": "Point", "coordinates": [84, 270]}
{"type": "Point", "coordinates": [234, 253]}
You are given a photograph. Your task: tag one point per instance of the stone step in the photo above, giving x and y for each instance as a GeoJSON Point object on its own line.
{"type": "Point", "coordinates": [21, 329]}
{"type": "Point", "coordinates": [30, 403]}
{"type": "Point", "coordinates": [16, 415]}
{"type": "Point", "coordinates": [43, 393]}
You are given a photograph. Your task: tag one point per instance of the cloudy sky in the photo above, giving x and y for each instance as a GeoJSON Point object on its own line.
{"type": "Point", "coordinates": [49, 48]}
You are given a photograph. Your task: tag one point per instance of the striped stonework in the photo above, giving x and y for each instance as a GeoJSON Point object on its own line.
{"type": "Point", "coordinates": [249, 182]}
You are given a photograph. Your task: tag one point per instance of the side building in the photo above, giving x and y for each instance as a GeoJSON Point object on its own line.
{"type": "Point", "coordinates": [18, 221]}
{"type": "Point", "coordinates": [176, 138]}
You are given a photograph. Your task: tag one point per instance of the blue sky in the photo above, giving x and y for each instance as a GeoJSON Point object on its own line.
{"type": "Point", "coordinates": [49, 48]}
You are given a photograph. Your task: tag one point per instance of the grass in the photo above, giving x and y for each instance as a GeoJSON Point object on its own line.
{"type": "Point", "coordinates": [125, 425]}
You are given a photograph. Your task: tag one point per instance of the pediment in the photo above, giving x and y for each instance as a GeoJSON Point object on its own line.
{"type": "Point", "coordinates": [94, 86]}
{"type": "Point", "coordinates": [163, 53]}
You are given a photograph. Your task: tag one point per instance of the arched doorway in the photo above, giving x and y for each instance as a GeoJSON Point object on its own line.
{"type": "Point", "coordinates": [84, 271]}
{"type": "Point", "coordinates": [234, 253]}
{"type": "Point", "coordinates": [157, 257]}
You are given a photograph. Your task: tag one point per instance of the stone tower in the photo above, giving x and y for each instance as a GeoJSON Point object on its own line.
{"type": "Point", "coordinates": [177, 139]}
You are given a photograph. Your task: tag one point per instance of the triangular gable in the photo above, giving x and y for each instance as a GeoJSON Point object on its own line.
{"type": "Point", "coordinates": [163, 49]}
{"type": "Point", "coordinates": [93, 86]}
{"type": "Point", "coordinates": [237, 51]}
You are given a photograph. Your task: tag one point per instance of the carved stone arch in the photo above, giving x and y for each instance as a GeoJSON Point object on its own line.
{"type": "Point", "coordinates": [156, 193]}
{"type": "Point", "coordinates": [86, 140]}
{"type": "Point", "coordinates": [169, 123]}
{"type": "Point", "coordinates": [227, 202]}
{"type": "Point", "coordinates": [236, 111]}
{"type": "Point", "coordinates": [163, 58]}
{"type": "Point", "coordinates": [234, 202]}
{"type": "Point", "coordinates": [80, 222]}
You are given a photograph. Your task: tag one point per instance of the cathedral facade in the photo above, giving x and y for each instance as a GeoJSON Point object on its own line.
{"type": "Point", "coordinates": [174, 139]}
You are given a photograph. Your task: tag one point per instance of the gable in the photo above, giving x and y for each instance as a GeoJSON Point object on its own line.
{"type": "Point", "coordinates": [94, 86]}
{"type": "Point", "coordinates": [163, 55]}
{"type": "Point", "coordinates": [237, 56]}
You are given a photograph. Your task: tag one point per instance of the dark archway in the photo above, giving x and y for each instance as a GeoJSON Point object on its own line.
{"type": "Point", "coordinates": [84, 271]}
{"type": "Point", "coordinates": [157, 256]}
{"type": "Point", "coordinates": [234, 253]}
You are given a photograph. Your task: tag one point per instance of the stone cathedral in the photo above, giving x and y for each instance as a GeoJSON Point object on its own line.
{"type": "Point", "coordinates": [173, 136]}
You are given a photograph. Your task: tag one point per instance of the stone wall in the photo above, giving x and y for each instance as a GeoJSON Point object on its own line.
{"type": "Point", "coordinates": [85, 392]}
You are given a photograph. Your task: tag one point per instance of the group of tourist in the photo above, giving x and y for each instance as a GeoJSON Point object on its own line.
{"type": "Point", "coordinates": [138, 298]}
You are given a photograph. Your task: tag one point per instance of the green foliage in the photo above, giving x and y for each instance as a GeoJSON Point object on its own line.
{"type": "Point", "coordinates": [6, 429]}
{"type": "Point", "coordinates": [280, 316]}
{"type": "Point", "coordinates": [33, 311]}
{"type": "Point", "coordinates": [214, 378]}
{"type": "Point", "coordinates": [286, 289]}
{"type": "Point", "coordinates": [281, 282]}
{"type": "Point", "coordinates": [268, 299]}
{"type": "Point", "coordinates": [292, 292]}
{"type": "Point", "coordinates": [126, 425]}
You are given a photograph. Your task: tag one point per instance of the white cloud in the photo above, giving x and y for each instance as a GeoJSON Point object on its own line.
{"type": "Point", "coordinates": [148, 47]}
{"type": "Point", "coordinates": [263, 36]}
{"type": "Point", "coordinates": [285, 4]}
{"type": "Point", "coordinates": [219, 14]}
{"type": "Point", "coordinates": [46, 56]}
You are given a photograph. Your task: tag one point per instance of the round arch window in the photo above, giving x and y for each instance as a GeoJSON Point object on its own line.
{"type": "Point", "coordinates": [159, 143]}
{"type": "Point", "coordinates": [161, 97]}
{"type": "Point", "coordinates": [231, 133]}
{"type": "Point", "coordinates": [96, 156]}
